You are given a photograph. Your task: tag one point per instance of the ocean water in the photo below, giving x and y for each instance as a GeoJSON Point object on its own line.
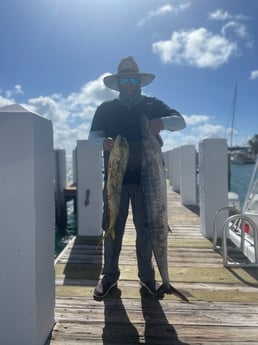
{"type": "Point", "coordinates": [62, 236]}
{"type": "Point", "coordinates": [240, 178]}
{"type": "Point", "coordinates": [239, 183]}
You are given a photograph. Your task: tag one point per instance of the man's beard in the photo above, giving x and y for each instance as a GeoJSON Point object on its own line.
{"type": "Point", "coordinates": [130, 99]}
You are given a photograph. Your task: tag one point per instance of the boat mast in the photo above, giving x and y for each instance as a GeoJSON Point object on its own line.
{"type": "Point", "coordinates": [233, 116]}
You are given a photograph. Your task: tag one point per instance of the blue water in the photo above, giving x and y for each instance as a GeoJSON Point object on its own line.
{"type": "Point", "coordinates": [240, 178]}
{"type": "Point", "coordinates": [62, 236]}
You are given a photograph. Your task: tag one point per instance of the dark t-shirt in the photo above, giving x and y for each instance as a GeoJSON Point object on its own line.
{"type": "Point", "coordinates": [114, 118]}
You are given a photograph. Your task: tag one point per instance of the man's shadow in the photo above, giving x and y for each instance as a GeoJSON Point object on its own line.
{"type": "Point", "coordinates": [119, 329]}
{"type": "Point", "coordinates": [117, 324]}
{"type": "Point", "coordinates": [157, 328]}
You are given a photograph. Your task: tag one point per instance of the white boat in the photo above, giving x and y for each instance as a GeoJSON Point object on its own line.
{"type": "Point", "coordinates": [242, 156]}
{"type": "Point", "coordinates": [239, 155]}
{"type": "Point", "coordinates": [251, 200]}
{"type": "Point", "coordinates": [242, 229]}
{"type": "Point", "coordinates": [250, 207]}
{"type": "Point", "coordinates": [233, 200]}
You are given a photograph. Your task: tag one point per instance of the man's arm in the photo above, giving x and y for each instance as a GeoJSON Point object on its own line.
{"type": "Point", "coordinates": [173, 123]}
{"type": "Point", "coordinates": [96, 138]}
{"type": "Point", "coordinates": [169, 118]}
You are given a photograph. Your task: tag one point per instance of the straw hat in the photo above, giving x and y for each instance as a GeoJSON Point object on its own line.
{"type": "Point", "coordinates": [127, 67]}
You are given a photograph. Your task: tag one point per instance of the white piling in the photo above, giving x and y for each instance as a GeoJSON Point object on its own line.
{"type": "Point", "coordinates": [188, 175]}
{"type": "Point", "coordinates": [175, 166]}
{"type": "Point", "coordinates": [74, 173]}
{"type": "Point", "coordinates": [27, 288]}
{"type": "Point", "coordinates": [169, 166]}
{"type": "Point", "coordinates": [89, 189]}
{"type": "Point", "coordinates": [213, 183]}
{"type": "Point", "coordinates": [166, 162]}
{"type": "Point", "coordinates": [60, 184]}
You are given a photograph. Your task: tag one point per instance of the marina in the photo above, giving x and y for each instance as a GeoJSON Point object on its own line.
{"type": "Point", "coordinates": [47, 302]}
{"type": "Point", "coordinates": [223, 306]}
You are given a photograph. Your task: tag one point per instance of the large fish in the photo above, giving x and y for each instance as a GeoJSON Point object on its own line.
{"type": "Point", "coordinates": [155, 203]}
{"type": "Point", "coordinates": [116, 168]}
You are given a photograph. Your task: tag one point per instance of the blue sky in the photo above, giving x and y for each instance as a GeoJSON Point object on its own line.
{"type": "Point", "coordinates": [55, 53]}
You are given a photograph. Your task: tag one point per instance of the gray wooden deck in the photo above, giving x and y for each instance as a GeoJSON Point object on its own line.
{"type": "Point", "coordinates": [223, 308]}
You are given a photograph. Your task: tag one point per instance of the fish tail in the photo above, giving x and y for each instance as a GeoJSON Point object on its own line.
{"type": "Point", "coordinates": [110, 231]}
{"type": "Point", "coordinates": [169, 229]}
{"type": "Point", "coordinates": [169, 289]}
{"type": "Point", "coordinates": [100, 242]}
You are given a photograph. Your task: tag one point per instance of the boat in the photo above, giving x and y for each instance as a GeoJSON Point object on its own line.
{"type": "Point", "coordinates": [241, 228]}
{"type": "Point", "coordinates": [243, 155]}
{"type": "Point", "coordinates": [239, 155]}
{"type": "Point", "coordinates": [251, 200]}
{"type": "Point", "coordinates": [250, 208]}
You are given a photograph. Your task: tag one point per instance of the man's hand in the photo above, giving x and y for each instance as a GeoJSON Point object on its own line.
{"type": "Point", "coordinates": [108, 144]}
{"type": "Point", "coordinates": [156, 125]}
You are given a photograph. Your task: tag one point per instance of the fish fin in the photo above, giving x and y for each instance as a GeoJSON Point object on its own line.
{"type": "Point", "coordinates": [100, 242]}
{"type": "Point", "coordinates": [110, 231]}
{"type": "Point", "coordinates": [169, 289]}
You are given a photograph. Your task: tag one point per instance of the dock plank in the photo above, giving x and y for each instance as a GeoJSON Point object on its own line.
{"type": "Point", "coordinates": [223, 308]}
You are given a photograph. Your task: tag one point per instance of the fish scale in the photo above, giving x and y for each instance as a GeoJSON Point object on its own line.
{"type": "Point", "coordinates": [155, 203]}
{"type": "Point", "coordinates": [116, 168]}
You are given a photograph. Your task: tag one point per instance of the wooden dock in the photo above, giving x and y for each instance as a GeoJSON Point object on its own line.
{"type": "Point", "coordinates": [223, 308]}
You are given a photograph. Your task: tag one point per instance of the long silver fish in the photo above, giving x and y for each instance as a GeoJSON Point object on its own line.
{"type": "Point", "coordinates": [116, 168]}
{"type": "Point", "coordinates": [155, 203]}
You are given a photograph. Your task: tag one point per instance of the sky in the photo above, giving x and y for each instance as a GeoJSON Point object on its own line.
{"type": "Point", "coordinates": [204, 53]}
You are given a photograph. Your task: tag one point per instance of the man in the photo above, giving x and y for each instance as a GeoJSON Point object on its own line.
{"type": "Point", "coordinates": [122, 116]}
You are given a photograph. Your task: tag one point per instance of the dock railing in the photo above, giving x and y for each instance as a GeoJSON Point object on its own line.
{"type": "Point", "coordinates": [240, 230]}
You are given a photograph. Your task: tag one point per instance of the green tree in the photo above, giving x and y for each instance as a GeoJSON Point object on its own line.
{"type": "Point", "coordinates": [253, 143]}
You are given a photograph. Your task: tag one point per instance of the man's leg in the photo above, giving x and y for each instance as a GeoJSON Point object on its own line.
{"type": "Point", "coordinates": [143, 245]}
{"type": "Point", "coordinates": [112, 247]}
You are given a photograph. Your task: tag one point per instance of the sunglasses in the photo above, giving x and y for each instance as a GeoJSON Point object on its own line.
{"type": "Point", "coordinates": [131, 80]}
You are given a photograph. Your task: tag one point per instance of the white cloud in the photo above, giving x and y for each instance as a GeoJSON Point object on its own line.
{"type": "Point", "coordinates": [83, 103]}
{"type": "Point", "coordinates": [219, 15]}
{"type": "Point", "coordinates": [195, 119]}
{"type": "Point", "coordinates": [237, 31]}
{"type": "Point", "coordinates": [193, 133]}
{"type": "Point", "coordinates": [222, 15]}
{"type": "Point", "coordinates": [196, 47]}
{"type": "Point", "coordinates": [237, 28]}
{"type": "Point", "coordinates": [53, 109]}
{"type": "Point", "coordinates": [254, 75]}
{"type": "Point", "coordinates": [184, 6]}
{"type": "Point", "coordinates": [210, 131]}
{"type": "Point", "coordinates": [163, 10]}
{"type": "Point", "coordinates": [5, 101]}
{"type": "Point", "coordinates": [71, 117]}
{"type": "Point", "coordinates": [202, 48]}
{"type": "Point", "coordinates": [17, 90]}
{"type": "Point", "coordinates": [234, 28]}
{"type": "Point", "coordinates": [172, 139]}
